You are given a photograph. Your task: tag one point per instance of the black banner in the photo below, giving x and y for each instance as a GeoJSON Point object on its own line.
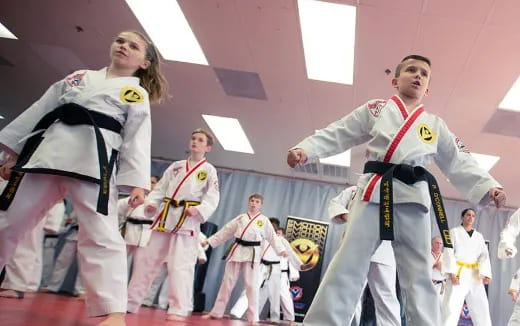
{"type": "Point", "coordinates": [307, 237]}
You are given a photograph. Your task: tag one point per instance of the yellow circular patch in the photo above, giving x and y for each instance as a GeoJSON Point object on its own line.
{"type": "Point", "coordinates": [130, 95]}
{"type": "Point", "coordinates": [426, 133]}
{"type": "Point", "coordinates": [307, 251]}
{"type": "Point", "coordinates": [260, 223]}
{"type": "Point", "coordinates": [202, 175]}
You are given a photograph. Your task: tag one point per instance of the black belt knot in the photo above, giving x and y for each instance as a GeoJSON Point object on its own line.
{"type": "Point", "coordinates": [408, 174]}
{"type": "Point", "coordinates": [269, 262]}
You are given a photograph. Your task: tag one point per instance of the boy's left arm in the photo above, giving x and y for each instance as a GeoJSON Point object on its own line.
{"type": "Point", "coordinates": [464, 172]}
{"type": "Point", "coordinates": [210, 199]}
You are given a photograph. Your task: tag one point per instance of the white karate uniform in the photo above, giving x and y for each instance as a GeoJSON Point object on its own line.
{"type": "Point", "coordinates": [66, 161]}
{"type": "Point", "coordinates": [397, 137]}
{"type": "Point", "coordinates": [54, 225]}
{"type": "Point", "coordinates": [178, 249]}
{"type": "Point", "coordinates": [381, 276]}
{"type": "Point", "coordinates": [64, 261]}
{"type": "Point", "coordinates": [289, 272]}
{"type": "Point", "coordinates": [514, 320]}
{"type": "Point", "coordinates": [243, 260]}
{"type": "Point", "coordinates": [438, 278]}
{"type": "Point", "coordinates": [508, 236]}
{"type": "Point", "coordinates": [466, 251]}
{"type": "Point", "coordinates": [25, 269]}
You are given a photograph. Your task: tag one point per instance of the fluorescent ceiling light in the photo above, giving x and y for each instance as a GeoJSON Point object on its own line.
{"type": "Point", "coordinates": [512, 99]}
{"type": "Point", "coordinates": [485, 161]}
{"type": "Point", "coordinates": [4, 32]}
{"type": "Point", "coordinates": [328, 35]}
{"type": "Point", "coordinates": [169, 30]}
{"type": "Point", "coordinates": [342, 159]}
{"type": "Point", "coordinates": [229, 133]}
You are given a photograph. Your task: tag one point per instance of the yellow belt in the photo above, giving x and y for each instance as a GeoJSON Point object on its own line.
{"type": "Point", "coordinates": [465, 265]}
{"type": "Point", "coordinates": [185, 204]}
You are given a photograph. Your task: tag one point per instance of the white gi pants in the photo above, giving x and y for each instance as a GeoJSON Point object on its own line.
{"type": "Point", "coordinates": [514, 320]}
{"type": "Point", "coordinates": [251, 274]}
{"type": "Point", "coordinates": [49, 252]}
{"type": "Point", "coordinates": [271, 291]}
{"type": "Point", "coordinates": [180, 253]}
{"type": "Point", "coordinates": [334, 304]}
{"type": "Point", "coordinates": [101, 249]}
{"type": "Point", "coordinates": [157, 286]}
{"type": "Point", "coordinates": [381, 281]}
{"type": "Point", "coordinates": [471, 289]}
{"type": "Point", "coordinates": [63, 263]}
{"type": "Point", "coordinates": [24, 270]}
{"type": "Point", "coordinates": [440, 288]}
{"type": "Point", "coordinates": [286, 301]}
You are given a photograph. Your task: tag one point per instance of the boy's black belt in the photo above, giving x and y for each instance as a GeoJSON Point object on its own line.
{"type": "Point", "coordinates": [244, 243]}
{"type": "Point", "coordinates": [269, 262]}
{"type": "Point", "coordinates": [71, 114]}
{"type": "Point", "coordinates": [285, 271]}
{"type": "Point", "coordinates": [134, 220]}
{"type": "Point", "coordinates": [409, 175]}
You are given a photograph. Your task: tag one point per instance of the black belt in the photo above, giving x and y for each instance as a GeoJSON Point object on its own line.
{"type": "Point", "coordinates": [133, 220]}
{"type": "Point", "coordinates": [285, 271]}
{"type": "Point", "coordinates": [71, 114]}
{"type": "Point", "coordinates": [409, 175]}
{"type": "Point", "coordinates": [244, 243]}
{"type": "Point", "coordinates": [268, 262]}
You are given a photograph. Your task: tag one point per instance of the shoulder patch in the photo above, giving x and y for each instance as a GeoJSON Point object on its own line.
{"type": "Point", "coordinates": [130, 95]}
{"type": "Point", "coordinates": [375, 107]}
{"type": "Point", "coordinates": [461, 146]}
{"type": "Point", "coordinates": [75, 79]}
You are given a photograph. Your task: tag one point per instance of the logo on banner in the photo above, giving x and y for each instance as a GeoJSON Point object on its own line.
{"type": "Point", "coordinates": [308, 252]}
{"type": "Point", "coordinates": [426, 133]}
{"type": "Point", "coordinates": [296, 293]}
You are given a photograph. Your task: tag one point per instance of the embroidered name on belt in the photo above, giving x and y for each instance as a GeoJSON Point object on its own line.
{"type": "Point", "coordinates": [130, 95]}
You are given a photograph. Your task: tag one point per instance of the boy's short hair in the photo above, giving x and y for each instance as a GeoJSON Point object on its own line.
{"type": "Point", "coordinates": [209, 136]}
{"type": "Point", "coordinates": [408, 57]}
{"type": "Point", "coordinates": [275, 221]}
{"type": "Point", "coordinates": [257, 196]}
{"type": "Point", "coordinates": [282, 230]}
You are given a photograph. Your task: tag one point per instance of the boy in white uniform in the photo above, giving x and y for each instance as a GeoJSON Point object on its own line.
{"type": "Point", "coordinates": [381, 277]}
{"type": "Point", "coordinates": [290, 273]}
{"type": "Point", "coordinates": [185, 197]}
{"type": "Point", "coordinates": [272, 278]}
{"type": "Point", "coordinates": [468, 268]}
{"type": "Point", "coordinates": [403, 139]}
{"type": "Point", "coordinates": [243, 257]}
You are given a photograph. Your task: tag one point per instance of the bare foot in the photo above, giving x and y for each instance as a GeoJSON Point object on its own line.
{"type": "Point", "coordinates": [13, 294]}
{"type": "Point", "coordinates": [115, 319]}
{"type": "Point", "coordinates": [174, 317]}
{"type": "Point", "coordinates": [209, 316]}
